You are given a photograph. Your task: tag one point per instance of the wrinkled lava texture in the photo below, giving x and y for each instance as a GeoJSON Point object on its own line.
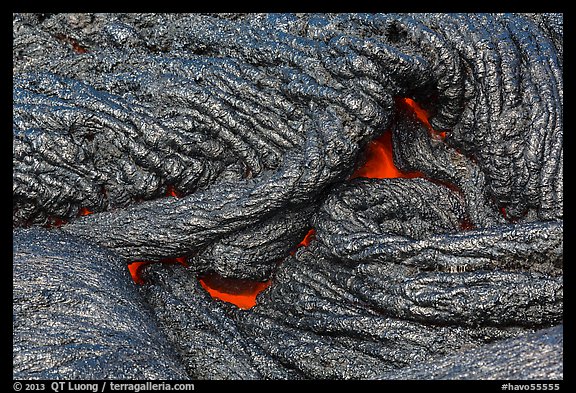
{"type": "Point", "coordinates": [219, 141]}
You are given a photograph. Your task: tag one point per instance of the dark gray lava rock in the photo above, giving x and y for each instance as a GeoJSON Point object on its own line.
{"type": "Point", "coordinates": [78, 315]}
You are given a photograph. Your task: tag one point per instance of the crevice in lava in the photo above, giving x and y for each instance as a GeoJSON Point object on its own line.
{"type": "Point", "coordinates": [378, 159]}
{"type": "Point", "coordinates": [240, 292]}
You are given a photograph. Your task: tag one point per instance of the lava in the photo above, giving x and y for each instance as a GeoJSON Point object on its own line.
{"type": "Point", "coordinates": [422, 115]}
{"type": "Point", "coordinates": [306, 241]}
{"type": "Point", "coordinates": [242, 293]}
{"type": "Point", "coordinates": [379, 157]}
{"type": "Point", "coordinates": [134, 269]}
{"type": "Point", "coordinates": [84, 211]}
{"type": "Point", "coordinates": [308, 238]}
{"type": "Point", "coordinates": [239, 292]}
{"type": "Point", "coordinates": [380, 162]}
{"type": "Point", "coordinates": [171, 191]}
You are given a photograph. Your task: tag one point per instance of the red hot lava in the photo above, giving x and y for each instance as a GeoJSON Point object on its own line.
{"type": "Point", "coordinates": [379, 164]}
{"type": "Point", "coordinates": [239, 292]}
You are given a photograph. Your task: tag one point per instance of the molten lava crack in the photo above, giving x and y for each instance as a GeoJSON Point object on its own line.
{"type": "Point", "coordinates": [240, 292]}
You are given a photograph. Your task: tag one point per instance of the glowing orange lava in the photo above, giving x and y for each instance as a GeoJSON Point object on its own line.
{"type": "Point", "coordinates": [84, 211]}
{"type": "Point", "coordinates": [379, 157]}
{"type": "Point", "coordinates": [308, 238]}
{"type": "Point", "coordinates": [423, 116]}
{"type": "Point", "coordinates": [171, 191]}
{"type": "Point", "coordinates": [241, 293]}
{"type": "Point", "coordinates": [306, 241]}
{"type": "Point", "coordinates": [134, 269]}
{"type": "Point", "coordinates": [380, 162]}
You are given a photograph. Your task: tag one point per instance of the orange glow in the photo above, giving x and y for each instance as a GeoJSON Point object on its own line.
{"type": "Point", "coordinates": [306, 241]}
{"type": "Point", "coordinates": [423, 116]}
{"type": "Point", "coordinates": [239, 292]}
{"type": "Point", "coordinates": [171, 191]}
{"type": "Point", "coordinates": [380, 162]}
{"type": "Point", "coordinates": [84, 211]}
{"type": "Point", "coordinates": [309, 236]}
{"type": "Point", "coordinates": [420, 113]}
{"type": "Point", "coordinates": [134, 269]}
{"type": "Point", "coordinates": [379, 157]}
